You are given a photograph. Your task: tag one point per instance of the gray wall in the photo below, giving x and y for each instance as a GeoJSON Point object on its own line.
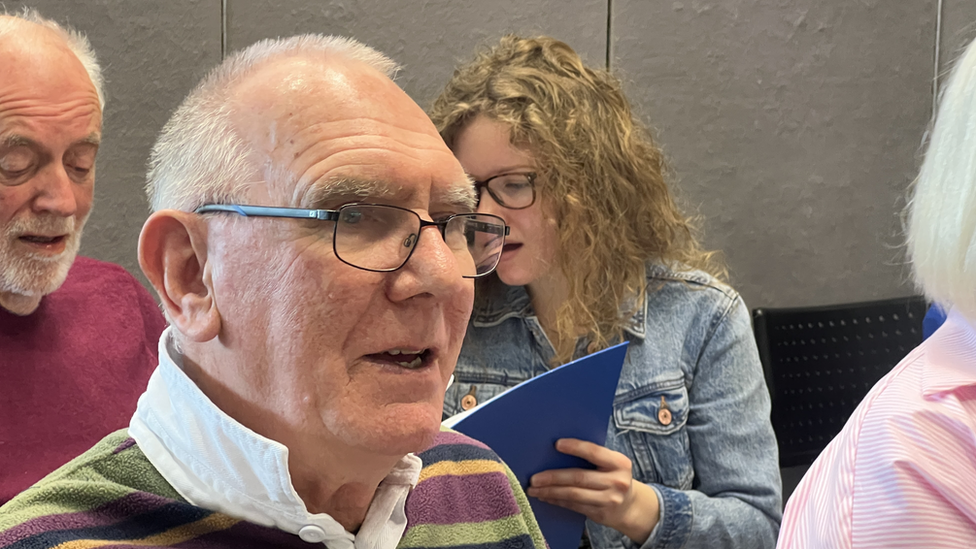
{"type": "Point", "coordinates": [794, 126]}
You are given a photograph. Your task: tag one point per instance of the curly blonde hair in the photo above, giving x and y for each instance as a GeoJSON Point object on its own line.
{"type": "Point", "coordinates": [600, 173]}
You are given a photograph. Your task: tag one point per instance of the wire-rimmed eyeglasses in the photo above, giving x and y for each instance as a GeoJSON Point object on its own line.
{"type": "Point", "coordinates": [515, 191]}
{"type": "Point", "coordinates": [381, 238]}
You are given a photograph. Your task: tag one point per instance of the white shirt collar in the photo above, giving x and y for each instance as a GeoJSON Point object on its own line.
{"type": "Point", "coordinates": [216, 463]}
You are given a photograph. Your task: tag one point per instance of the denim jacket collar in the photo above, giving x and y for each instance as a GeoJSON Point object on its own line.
{"type": "Point", "coordinates": [502, 302]}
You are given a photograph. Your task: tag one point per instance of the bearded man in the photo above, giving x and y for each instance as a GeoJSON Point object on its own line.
{"type": "Point", "coordinates": [77, 337]}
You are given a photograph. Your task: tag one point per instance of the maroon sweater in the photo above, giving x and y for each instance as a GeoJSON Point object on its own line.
{"type": "Point", "coordinates": [72, 371]}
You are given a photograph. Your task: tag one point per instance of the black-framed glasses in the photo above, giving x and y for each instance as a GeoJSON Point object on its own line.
{"type": "Point", "coordinates": [515, 191]}
{"type": "Point", "coordinates": [381, 238]}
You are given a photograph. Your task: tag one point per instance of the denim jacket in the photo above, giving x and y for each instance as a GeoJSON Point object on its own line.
{"type": "Point", "coordinates": [712, 457]}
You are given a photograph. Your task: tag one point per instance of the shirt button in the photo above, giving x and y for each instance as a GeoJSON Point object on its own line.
{"type": "Point", "coordinates": [312, 534]}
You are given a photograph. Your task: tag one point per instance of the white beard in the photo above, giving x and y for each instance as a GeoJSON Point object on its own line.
{"type": "Point", "coordinates": [29, 274]}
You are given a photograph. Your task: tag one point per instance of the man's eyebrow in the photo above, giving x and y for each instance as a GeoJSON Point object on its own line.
{"type": "Point", "coordinates": [93, 138]}
{"type": "Point", "coordinates": [17, 140]}
{"type": "Point", "coordinates": [327, 192]}
{"type": "Point", "coordinates": [461, 196]}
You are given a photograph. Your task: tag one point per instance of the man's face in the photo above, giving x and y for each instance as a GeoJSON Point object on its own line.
{"type": "Point", "coordinates": [331, 349]}
{"type": "Point", "coordinates": [50, 125]}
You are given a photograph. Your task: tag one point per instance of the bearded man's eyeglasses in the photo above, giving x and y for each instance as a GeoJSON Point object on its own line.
{"type": "Point", "coordinates": [381, 238]}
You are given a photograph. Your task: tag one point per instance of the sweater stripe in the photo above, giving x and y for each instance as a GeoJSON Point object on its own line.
{"type": "Point", "coordinates": [213, 523]}
{"type": "Point", "coordinates": [455, 535]}
{"type": "Point", "coordinates": [453, 437]}
{"type": "Point", "coordinates": [521, 541]}
{"type": "Point", "coordinates": [246, 535]}
{"type": "Point", "coordinates": [157, 521]}
{"type": "Point", "coordinates": [469, 467]}
{"type": "Point", "coordinates": [457, 452]}
{"type": "Point", "coordinates": [136, 503]}
{"type": "Point", "coordinates": [494, 500]}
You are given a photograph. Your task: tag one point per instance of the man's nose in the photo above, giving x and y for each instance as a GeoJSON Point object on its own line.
{"type": "Point", "coordinates": [56, 192]}
{"type": "Point", "coordinates": [432, 269]}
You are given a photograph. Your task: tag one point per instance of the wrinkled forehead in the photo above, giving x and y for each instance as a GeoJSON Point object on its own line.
{"type": "Point", "coordinates": [37, 65]}
{"type": "Point", "coordinates": [317, 124]}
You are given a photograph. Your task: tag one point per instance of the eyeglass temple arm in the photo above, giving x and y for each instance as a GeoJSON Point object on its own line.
{"type": "Point", "coordinates": [267, 211]}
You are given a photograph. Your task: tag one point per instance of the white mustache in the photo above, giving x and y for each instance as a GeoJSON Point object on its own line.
{"type": "Point", "coordinates": [44, 224]}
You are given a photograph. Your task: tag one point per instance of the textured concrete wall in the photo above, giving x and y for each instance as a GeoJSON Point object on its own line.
{"type": "Point", "coordinates": [151, 54]}
{"type": "Point", "coordinates": [794, 126]}
{"type": "Point", "coordinates": [428, 37]}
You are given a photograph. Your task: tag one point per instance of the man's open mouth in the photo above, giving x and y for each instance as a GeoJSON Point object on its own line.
{"type": "Point", "coordinates": [37, 239]}
{"type": "Point", "coordinates": [404, 358]}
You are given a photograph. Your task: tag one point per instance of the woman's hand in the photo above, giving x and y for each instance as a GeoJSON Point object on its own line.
{"type": "Point", "coordinates": [609, 495]}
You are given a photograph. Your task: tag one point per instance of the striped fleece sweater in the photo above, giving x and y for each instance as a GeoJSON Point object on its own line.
{"type": "Point", "coordinates": [113, 496]}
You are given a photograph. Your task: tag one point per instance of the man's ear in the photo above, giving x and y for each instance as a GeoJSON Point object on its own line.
{"type": "Point", "coordinates": [173, 254]}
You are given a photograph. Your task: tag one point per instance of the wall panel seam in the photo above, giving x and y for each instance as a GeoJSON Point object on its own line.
{"type": "Point", "coordinates": [610, 33]}
{"type": "Point", "coordinates": [223, 29]}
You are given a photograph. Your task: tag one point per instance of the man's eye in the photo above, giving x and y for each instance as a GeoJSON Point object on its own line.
{"type": "Point", "coordinates": [80, 171]}
{"type": "Point", "coordinates": [351, 216]}
{"type": "Point", "coordinates": [16, 161]}
{"type": "Point", "coordinates": [80, 161]}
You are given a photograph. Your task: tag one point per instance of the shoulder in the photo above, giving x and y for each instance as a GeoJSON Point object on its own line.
{"type": "Point", "coordinates": [496, 302]}
{"type": "Point", "coordinates": [457, 458]}
{"type": "Point", "coordinates": [687, 284]}
{"type": "Point", "coordinates": [467, 496]}
{"type": "Point", "coordinates": [87, 269]}
{"type": "Point", "coordinates": [904, 419]}
{"type": "Point", "coordinates": [679, 300]}
{"type": "Point", "coordinates": [902, 463]}
{"type": "Point", "coordinates": [112, 477]}
{"type": "Point", "coordinates": [109, 291]}
{"type": "Point", "coordinates": [101, 278]}
{"type": "Point", "coordinates": [92, 274]}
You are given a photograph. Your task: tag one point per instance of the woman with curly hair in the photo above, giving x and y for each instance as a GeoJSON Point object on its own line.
{"type": "Point", "coordinates": [599, 253]}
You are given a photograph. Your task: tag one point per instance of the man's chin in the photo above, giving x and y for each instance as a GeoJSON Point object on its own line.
{"type": "Point", "coordinates": [408, 429]}
{"type": "Point", "coordinates": [33, 277]}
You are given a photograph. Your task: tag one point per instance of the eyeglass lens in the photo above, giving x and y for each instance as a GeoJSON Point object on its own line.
{"type": "Point", "coordinates": [512, 190]}
{"type": "Point", "coordinates": [381, 238]}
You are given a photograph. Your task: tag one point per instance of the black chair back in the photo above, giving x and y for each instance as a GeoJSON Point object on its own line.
{"type": "Point", "coordinates": [821, 361]}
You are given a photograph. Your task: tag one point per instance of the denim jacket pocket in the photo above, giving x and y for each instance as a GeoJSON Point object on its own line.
{"type": "Point", "coordinates": [653, 425]}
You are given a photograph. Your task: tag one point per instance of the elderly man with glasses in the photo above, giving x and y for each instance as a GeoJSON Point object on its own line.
{"type": "Point", "coordinates": [313, 244]}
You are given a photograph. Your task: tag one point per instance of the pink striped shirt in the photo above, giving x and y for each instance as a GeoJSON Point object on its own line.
{"type": "Point", "coordinates": [902, 472]}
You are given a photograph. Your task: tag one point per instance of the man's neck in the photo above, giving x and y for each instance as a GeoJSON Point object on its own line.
{"type": "Point", "coordinates": [344, 489]}
{"type": "Point", "coordinates": [337, 480]}
{"type": "Point", "coordinates": [347, 504]}
{"type": "Point", "coordinates": [18, 304]}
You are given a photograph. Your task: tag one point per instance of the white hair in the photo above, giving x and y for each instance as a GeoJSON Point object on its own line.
{"type": "Point", "coordinates": [76, 42]}
{"type": "Point", "coordinates": [199, 158]}
{"type": "Point", "coordinates": [942, 213]}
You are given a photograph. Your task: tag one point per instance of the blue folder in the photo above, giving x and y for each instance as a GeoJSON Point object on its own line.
{"type": "Point", "coordinates": [522, 425]}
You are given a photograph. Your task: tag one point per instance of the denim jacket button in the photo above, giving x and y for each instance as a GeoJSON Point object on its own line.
{"type": "Point", "coordinates": [469, 400]}
{"type": "Point", "coordinates": [664, 416]}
